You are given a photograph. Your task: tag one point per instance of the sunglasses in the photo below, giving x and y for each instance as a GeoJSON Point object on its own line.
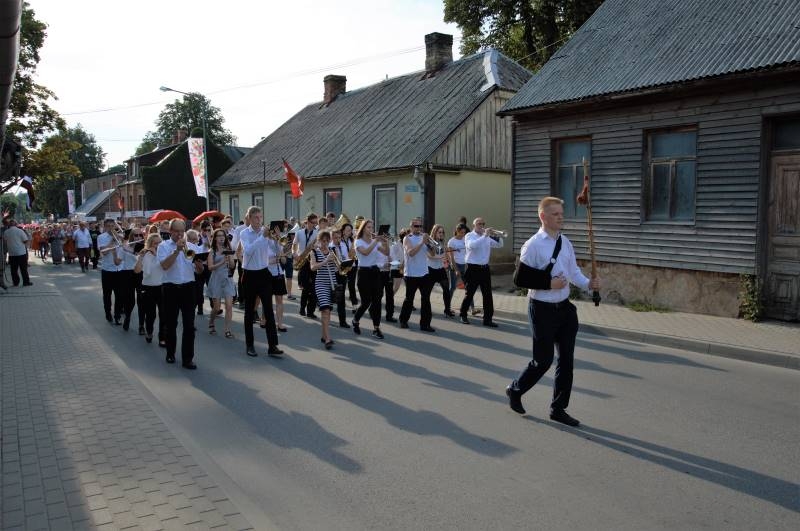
{"type": "Point", "coordinates": [416, 226]}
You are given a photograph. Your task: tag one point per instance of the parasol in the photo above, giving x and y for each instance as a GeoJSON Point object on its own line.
{"type": "Point", "coordinates": [214, 215]}
{"type": "Point", "coordinates": [166, 215]}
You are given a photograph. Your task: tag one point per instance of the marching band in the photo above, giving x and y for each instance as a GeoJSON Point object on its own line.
{"type": "Point", "coordinates": [171, 271]}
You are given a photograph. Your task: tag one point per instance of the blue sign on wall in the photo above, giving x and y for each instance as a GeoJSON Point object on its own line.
{"type": "Point", "coordinates": [412, 188]}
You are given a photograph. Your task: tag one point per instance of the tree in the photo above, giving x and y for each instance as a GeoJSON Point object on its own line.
{"type": "Point", "coordinates": [54, 172]}
{"type": "Point", "coordinates": [31, 118]}
{"type": "Point", "coordinates": [14, 206]}
{"type": "Point", "coordinates": [529, 31]}
{"type": "Point", "coordinates": [187, 113]}
{"type": "Point", "coordinates": [89, 156]}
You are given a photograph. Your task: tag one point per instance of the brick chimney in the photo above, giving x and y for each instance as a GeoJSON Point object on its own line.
{"type": "Point", "coordinates": [438, 51]}
{"type": "Point", "coordinates": [334, 85]}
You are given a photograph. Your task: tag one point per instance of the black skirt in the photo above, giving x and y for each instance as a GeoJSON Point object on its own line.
{"type": "Point", "coordinates": [279, 285]}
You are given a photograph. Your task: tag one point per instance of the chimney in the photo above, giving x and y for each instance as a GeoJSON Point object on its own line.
{"type": "Point", "coordinates": [438, 51]}
{"type": "Point", "coordinates": [183, 134]}
{"type": "Point", "coordinates": [334, 85]}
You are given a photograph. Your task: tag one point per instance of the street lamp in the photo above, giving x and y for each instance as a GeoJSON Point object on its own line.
{"type": "Point", "coordinates": [205, 140]}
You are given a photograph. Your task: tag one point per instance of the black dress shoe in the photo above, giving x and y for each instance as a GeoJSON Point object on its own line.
{"type": "Point", "coordinates": [117, 322]}
{"type": "Point", "coordinates": [126, 324]}
{"type": "Point", "coordinates": [344, 325]}
{"type": "Point", "coordinates": [275, 352]}
{"type": "Point", "coordinates": [449, 313]}
{"type": "Point", "coordinates": [303, 313]}
{"type": "Point", "coordinates": [403, 324]}
{"type": "Point", "coordinates": [514, 400]}
{"type": "Point", "coordinates": [191, 366]}
{"type": "Point", "coordinates": [329, 344]}
{"type": "Point", "coordinates": [170, 358]}
{"type": "Point", "coordinates": [377, 333]}
{"type": "Point", "coordinates": [463, 319]}
{"type": "Point", "coordinates": [491, 324]}
{"type": "Point", "coordinates": [141, 331]}
{"type": "Point", "coordinates": [356, 328]}
{"type": "Point", "coordinates": [559, 415]}
{"type": "Point", "coordinates": [27, 283]}
{"type": "Point", "coordinates": [390, 319]}
{"type": "Point", "coordinates": [251, 351]}
{"type": "Point", "coordinates": [427, 329]}
{"type": "Point", "coordinates": [109, 318]}
{"type": "Point", "coordinates": [312, 316]}
{"type": "Point", "coordinates": [282, 329]}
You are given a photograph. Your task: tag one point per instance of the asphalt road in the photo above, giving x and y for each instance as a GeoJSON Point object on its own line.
{"type": "Point", "coordinates": [414, 432]}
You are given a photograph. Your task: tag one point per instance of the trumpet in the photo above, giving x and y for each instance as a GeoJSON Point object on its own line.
{"type": "Point", "coordinates": [434, 246]}
{"type": "Point", "coordinates": [494, 233]}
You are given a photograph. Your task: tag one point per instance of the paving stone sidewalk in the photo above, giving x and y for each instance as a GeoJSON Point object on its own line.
{"type": "Point", "coordinates": [81, 447]}
{"type": "Point", "coordinates": [770, 342]}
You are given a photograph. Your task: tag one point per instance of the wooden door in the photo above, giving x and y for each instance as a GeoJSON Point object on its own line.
{"type": "Point", "coordinates": [783, 245]}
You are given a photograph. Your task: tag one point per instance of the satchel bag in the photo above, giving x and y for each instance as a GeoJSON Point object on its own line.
{"type": "Point", "coordinates": [529, 277]}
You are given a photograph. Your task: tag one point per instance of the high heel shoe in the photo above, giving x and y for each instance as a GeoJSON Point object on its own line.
{"type": "Point", "coordinates": [329, 344]}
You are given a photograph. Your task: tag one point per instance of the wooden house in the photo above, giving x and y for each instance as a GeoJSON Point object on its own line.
{"type": "Point", "coordinates": [689, 113]}
{"type": "Point", "coordinates": [427, 144]}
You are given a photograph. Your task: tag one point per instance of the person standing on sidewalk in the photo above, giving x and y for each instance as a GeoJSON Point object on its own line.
{"type": "Point", "coordinates": [83, 245]}
{"type": "Point", "coordinates": [178, 293]}
{"type": "Point", "coordinates": [553, 318]}
{"type": "Point", "coordinates": [16, 243]}
{"type": "Point", "coordinates": [479, 244]}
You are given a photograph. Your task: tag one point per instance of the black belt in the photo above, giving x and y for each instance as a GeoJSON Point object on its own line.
{"type": "Point", "coordinates": [484, 266]}
{"type": "Point", "coordinates": [555, 305]}
{"type": "Point", "coordinates": [175, 284]}
{"type": "Point", "coordinates": [369, 267]}
{"type": "Point", "coordinates": [256, 270]}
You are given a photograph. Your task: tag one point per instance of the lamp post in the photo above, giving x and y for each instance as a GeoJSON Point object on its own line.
{"type": "Point", "coordinates": [205, 140]}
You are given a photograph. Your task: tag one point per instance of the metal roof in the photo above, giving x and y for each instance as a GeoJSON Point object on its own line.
{"type": "Point", "coordinates": [629, 45]}
{"type": "Point", "coordinates": [396, 123]}
{"type": "Point", "coordinates": [93, 202]}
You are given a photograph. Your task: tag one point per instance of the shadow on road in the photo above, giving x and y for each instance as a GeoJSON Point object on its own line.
{"type": "Point", "coordinates": [767, 488]}
{"type": "Point", "coordinates": [642, 355]}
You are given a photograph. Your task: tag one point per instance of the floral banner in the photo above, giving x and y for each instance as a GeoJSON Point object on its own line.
{"type": "Point", "coordinates": [197, 162]}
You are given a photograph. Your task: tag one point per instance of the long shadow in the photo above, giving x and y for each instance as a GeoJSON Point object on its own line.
{"type": "Point", "coordinates": [445, 354]}
{"type": "Point", "coordinates": [778, 491]}
{"type": "Point", "coordinates": [363, 357]}
{"type": "Point", "coordinates": [284, 429]}
{"type": "Point", "coordinates": [422, 422]}
{"type": "Point", "coordinates": [643, 355]}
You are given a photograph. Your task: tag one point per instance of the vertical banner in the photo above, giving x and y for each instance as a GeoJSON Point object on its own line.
{"type": "Point", "coordinates": [71, 201]}
{"type": "Point", "coordinates": [197, 162]}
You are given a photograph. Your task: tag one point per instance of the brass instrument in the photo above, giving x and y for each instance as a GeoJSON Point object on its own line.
{"type": "Point", "coordinates": [342, 221]}
{"type": "Point", "coordinates": [494, 233]}
{"type": "Point", "coordinates": [434, 246]}
{"type": "Point", "coordinates": [344, 266]}
{"type": "Point", "coordinates": [303, 258]}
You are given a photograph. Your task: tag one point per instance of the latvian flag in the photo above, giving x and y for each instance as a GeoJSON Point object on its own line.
{"type": "Point", "coordinates": [27, 183]}
{"type": "Point", "coordinates": [295, 181]}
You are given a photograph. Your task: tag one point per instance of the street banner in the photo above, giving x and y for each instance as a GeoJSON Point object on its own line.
{"type": "Point", "coordinates": [71, 201]}
{"type": "Point", "coordinates": [197, 162]}
{"type": "Point", "coordinates": [135, 213]}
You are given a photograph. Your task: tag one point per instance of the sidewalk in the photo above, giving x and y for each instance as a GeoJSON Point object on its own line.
{"type": "Point", "coordinates": [772, 342]}
{"type": "Point", "coordinates": [82, 447]}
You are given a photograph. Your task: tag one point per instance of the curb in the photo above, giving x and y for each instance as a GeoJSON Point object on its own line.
{"type": "Point", "coordinates": [764, 357]}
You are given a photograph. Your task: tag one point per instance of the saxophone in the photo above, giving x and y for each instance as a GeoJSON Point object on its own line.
{"type": "Point", "coordinates": [303, 258]}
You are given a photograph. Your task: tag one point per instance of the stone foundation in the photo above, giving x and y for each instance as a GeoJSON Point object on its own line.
{"type": "Point", "coordinates": [675, 289]}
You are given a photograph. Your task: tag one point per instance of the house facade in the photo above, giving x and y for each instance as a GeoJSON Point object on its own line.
{"type": "Point", "coordinates": [693, 140]}
{"type": "Point", "coordinates": [426, 144]}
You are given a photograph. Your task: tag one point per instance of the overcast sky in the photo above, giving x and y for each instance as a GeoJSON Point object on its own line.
{"type": "Point", "coordinates": [260, 62]}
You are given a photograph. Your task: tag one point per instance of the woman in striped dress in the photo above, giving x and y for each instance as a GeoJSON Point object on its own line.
{"type": "Point", "coordinates": [325, 267]}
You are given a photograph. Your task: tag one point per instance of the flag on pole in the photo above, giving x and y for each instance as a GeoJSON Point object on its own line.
{"type": "Point", "coordinates": [27, 183]}
{"type": "Point", "coordinates": [295, 181]}
{"type": "Point", "coordinates": [197, 162]}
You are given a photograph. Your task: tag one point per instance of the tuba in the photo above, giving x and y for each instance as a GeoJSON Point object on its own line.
{"type": "Point", "coordinates": [342, 221]}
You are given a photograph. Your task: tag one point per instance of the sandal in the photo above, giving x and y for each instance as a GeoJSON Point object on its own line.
{"type": "Point", "coordinates": [282, 329]}
{"type": "Point", "coordinates": [228, 334]}
{"type": "Point", "coordinates": [212, 329]}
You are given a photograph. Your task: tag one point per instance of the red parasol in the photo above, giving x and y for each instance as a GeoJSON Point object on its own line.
{"type": "Point", "coordinates": [214, 215]}
{"type": "Point", "coordinates": [166, 215]}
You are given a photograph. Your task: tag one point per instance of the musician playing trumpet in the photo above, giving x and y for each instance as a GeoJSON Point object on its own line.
{"type": "Point", "coordinates": [479, 244]}
{"type": "Point", "coordinates": [415, 246]}
{"type": "Point", "coordinates": [304, 242]}
{"type": "Point", "coordinates": [437, 266]}
{"type": "Point", "coordinates": [108, 243]}
{"type": "Point", "coordinates": [340, 250]}
{"type": "Point", "coordinates": [370, 288]}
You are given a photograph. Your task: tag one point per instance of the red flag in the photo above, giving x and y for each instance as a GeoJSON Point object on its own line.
{"type": "Point", "coordinates": [27, 183]}
{"type": "Point", "coordinates": [295, 181]}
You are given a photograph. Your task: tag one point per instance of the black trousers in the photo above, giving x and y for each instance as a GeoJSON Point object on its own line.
{"type": "Point", "coordinates": [439, 276]}
{"type": "Point", "coordinates": [339, 300]}
{"type": "Point", "coordinates": [19, 265]}
{"type": "Point", "coordinates": [110, 282]}
{"type": "Point", "coordinates": [179, 298]}
{"type": "Point", "coordinates": [150, 304]}
{"type": "Point", "coordinates": [478, 276]}
{"type": "Point", "coordinates": [370, 289]}
{"type": "Point", "coordinates": [83, 256]}
{"type": "Point", "coordinates": [258, 283]}
{"type": "Point", "coordinates": [351, 284]}
{"type": "Point", "coordinates": [551, 324]}
{"type": "Point", "coordinates": [127, 290]}
{"type": "Point", "coordinates": [424, 285]}
{"type": "Point", "coordinates": [388, 291]}
{"type": "Point", "coordinates": [308, 294]}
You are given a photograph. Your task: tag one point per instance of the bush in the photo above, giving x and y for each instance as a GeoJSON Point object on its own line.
{"type": "Point", "coordinates": [751, 306]}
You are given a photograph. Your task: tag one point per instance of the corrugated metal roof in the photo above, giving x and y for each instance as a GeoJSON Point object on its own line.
{"type": "Point", "coordinates": [93, 202]}
{"type": "Point", "coordinates": [629, 45]}
{"type": "Point", "coordinates": [397, 123]}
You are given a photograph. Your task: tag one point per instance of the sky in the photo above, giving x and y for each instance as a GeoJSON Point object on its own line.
{"type": "Point", "coordinates": [260, 62]}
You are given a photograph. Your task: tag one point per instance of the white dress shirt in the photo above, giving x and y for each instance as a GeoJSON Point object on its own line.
{"type": "Point", "coordinates": [371, 259]}
{"type": "Point", "coordinates": [417, 265]}
{"type": "Point", "coordinates": [82, 238]}
{"type": "Point", "coordinates": [396, 254]}
{"type": "Point", "coordinates": [181, 271]}
{"type": "Point", "coordinates": [479, 247]}
{"type": "Point", "coordinates": [152, 272]}
{"type": "Point", "coordinates": [255, 249]}
{"type": "Point", "coordinates": [459, 250]}
{"type": "Point", "coordinates": [438, 261]}
{"type": "Point", "coordinates": [107, 262]}
{"type": "Point", "coordinates": [537, 251]}
{"type": "Point", "coordinates": [273, 263]}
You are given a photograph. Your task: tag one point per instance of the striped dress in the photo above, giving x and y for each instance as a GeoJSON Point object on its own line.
{"type": "Point", "coordinates": [325, 281]}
